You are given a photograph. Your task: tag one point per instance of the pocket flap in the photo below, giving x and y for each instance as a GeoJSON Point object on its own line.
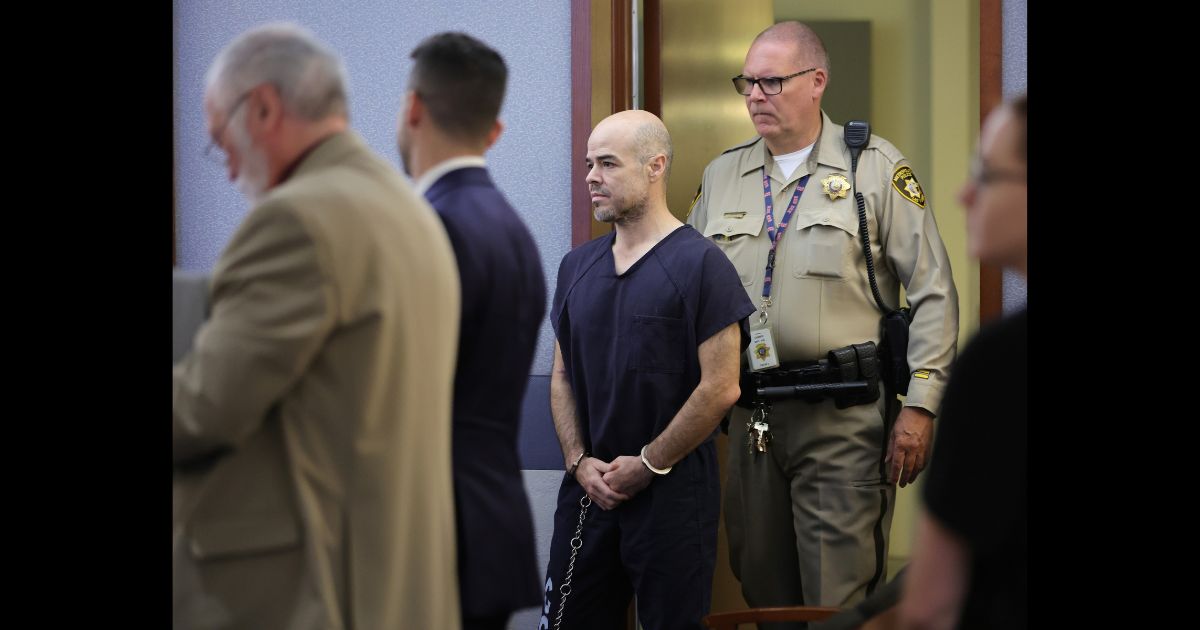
{"type": "Point", "coordinates": [734, 223]}
{"type": "Point", "coordinates": [828, 216]}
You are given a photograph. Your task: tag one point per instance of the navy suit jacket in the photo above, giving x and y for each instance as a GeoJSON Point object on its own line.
{"type": "Point", "coordinates": [503, 302]}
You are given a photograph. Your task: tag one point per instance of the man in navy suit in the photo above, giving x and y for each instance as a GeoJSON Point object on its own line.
{"type": "Point", "coordinates": [449, 121]}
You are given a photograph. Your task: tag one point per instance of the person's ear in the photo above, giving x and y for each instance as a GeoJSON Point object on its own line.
{"type": "Point", "coordinates": [493, 135]}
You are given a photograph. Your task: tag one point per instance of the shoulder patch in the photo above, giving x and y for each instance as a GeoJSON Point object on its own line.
{"type": "Point", "coordinates": [906, 184]}
{"type": "Point", "coordinates": [742, 145]}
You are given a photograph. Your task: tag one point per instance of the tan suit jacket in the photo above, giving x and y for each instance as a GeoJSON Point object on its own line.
{"type": "Point", "coordinates": [311, 421]}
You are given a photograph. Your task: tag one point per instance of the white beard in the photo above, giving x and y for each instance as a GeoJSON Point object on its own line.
{"type": "Point", "coordinates": [253, 173]}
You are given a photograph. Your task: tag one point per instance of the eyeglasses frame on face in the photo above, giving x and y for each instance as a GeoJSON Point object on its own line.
{"type": "Point", "coordinates": [752, 82]}
{"type": "Point", "coordinates": [210, 151]}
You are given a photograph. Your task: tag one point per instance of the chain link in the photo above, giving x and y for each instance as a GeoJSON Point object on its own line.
{"type": "Point", "coordinates": [565, 588]}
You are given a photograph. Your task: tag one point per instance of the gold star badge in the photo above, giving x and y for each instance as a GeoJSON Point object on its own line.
{"type": "Point", "coordinates": [835, 186]}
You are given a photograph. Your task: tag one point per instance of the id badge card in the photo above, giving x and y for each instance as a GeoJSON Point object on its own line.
{"type": "Point", "coordinates": [761, 353]}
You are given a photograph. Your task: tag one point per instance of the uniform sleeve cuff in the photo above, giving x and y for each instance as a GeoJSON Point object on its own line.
{"type": "Point", "coordinates": [925, 393]}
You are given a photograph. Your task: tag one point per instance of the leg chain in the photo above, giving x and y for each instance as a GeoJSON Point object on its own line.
{"type": "Point", "coordinates": [565, 588]}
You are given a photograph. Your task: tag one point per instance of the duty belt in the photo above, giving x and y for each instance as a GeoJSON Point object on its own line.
{"type": "Point", "coordinates": [849, 375]}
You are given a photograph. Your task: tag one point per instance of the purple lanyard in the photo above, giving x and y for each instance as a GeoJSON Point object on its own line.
{"type": "Point", "coordinates": [773, 234]}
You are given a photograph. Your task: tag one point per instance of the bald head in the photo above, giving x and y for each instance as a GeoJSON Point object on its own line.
{"type": "Point", "coordinates": [628, 155]}
{"type": "Point", "coordinates": [644, 135]}
{"type": "Point", "coordinates": [810, 51]}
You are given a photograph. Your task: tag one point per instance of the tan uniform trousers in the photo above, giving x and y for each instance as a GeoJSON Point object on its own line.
{"type": "Point", "coordinates": [816, 503]}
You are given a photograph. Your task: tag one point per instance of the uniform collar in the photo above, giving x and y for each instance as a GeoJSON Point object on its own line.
{"type": "Point", "coordinates": [831, 146]}
{"type": "Point", "coordinates": [830, 150]}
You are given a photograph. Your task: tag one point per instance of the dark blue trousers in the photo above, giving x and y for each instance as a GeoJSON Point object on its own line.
{"type": "Point", "coordinates": [661, 546]}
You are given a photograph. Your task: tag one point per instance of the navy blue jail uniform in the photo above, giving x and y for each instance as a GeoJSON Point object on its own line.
{"type": "Point", "coordinates": [630, 349]}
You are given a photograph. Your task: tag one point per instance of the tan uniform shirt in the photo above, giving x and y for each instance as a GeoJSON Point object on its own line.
{"type": "Point", "coordinates": [821, 297]}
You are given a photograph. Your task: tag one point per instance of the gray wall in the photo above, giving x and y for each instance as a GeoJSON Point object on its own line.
{"type": "Point", "coordinates": [1016, 69]}
{"type": "Point", "coordinates": [530, 163]}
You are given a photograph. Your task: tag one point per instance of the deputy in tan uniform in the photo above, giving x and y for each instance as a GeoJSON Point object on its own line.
{"type": "Point", "coordinates": [311, 421]}
{"type": "Point", "coordinates": [808, 519]}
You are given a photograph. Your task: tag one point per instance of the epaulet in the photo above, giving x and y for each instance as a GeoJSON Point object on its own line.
{"type": "Point", "coordinates": [742, 145]}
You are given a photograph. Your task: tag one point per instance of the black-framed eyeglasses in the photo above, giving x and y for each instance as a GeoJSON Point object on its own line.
{"type": "Point", "coordinates": [983, 176]}
{"type": "Point", "coordinates": [768, 85]}
{"type": "Point", "coordinates": [212, 152]}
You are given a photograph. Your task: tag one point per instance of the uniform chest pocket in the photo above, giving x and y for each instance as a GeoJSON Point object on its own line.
{"type": "Point", "coordinates": [658, 344]}
{"type": "Point", "coordinates": [823, 244]}
{"type": "Point", "coordinates": [736, 234]}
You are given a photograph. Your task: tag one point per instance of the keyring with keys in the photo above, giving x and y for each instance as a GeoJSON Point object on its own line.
{"type": "Point", "coordinates": [758, 431]}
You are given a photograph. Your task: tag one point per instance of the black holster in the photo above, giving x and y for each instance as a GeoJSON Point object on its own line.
{"type": "Point", "coordinates": [849, 375]}
{"type": "Point", "coordinates": [893, 351]}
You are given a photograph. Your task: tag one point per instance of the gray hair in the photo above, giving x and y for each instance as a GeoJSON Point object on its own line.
{"type": "Point", "coordinates": [309, 76]}
{"type": "Point", "coordinates": [808, 44]}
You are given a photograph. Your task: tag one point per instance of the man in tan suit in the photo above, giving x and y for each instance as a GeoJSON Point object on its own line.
{"type": "Point", "coordinates": [311, 421]}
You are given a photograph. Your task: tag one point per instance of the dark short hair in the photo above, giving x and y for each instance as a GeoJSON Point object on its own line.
{"type": "Point", "coordinates": [462, 81]}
